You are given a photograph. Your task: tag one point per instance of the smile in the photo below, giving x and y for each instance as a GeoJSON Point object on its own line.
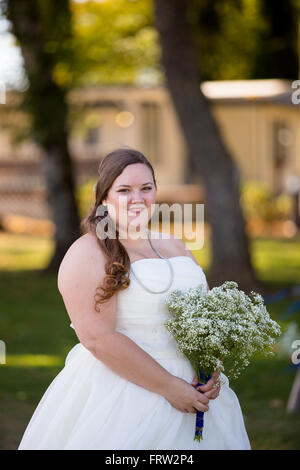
{"type": "Point", "coordinates": [135, 211]}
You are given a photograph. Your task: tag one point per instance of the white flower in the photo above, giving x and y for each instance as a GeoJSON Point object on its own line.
{"type": "Point", "coordinates": [223, 323]}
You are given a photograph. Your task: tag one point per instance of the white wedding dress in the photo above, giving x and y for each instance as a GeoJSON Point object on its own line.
{"type": "Point", "coordinates": [89, 407]}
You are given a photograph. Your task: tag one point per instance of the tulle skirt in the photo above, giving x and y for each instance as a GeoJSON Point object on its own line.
{"type": "Point", "coordinates": [89, 407]}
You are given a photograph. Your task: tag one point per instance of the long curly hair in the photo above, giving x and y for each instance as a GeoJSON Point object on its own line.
{"type": "Point", "coordinates": [117, 267]}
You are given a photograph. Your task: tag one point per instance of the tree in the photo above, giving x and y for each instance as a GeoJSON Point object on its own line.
{"type": "Point", "coordinates": [42, 28]}
{"type": "Point", "coordinates": [116, 42]}
{"type": "Point", "coordinates": [210, 160]}
{"type": "Point", "coordinates": [277, 56]}
{"type": "Point", "coordinates": [226, 37]}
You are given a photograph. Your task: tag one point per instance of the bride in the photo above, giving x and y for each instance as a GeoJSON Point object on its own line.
{"type": "Point", "coordinates": [125, 384]}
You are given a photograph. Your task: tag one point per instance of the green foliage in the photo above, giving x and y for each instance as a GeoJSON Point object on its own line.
{"type": "Point", "coordinates": [227, 37]}
{"type": "Point", "coordinates": [277, 56]}
{"type": "Point", "coordinates": [115, 42]}
{"type": "Point", "coordinates": [258, 202]}
{"type": "Point", "coordinates": [69, 44]}
{"type": "Point", "coordinates": [244, 39]}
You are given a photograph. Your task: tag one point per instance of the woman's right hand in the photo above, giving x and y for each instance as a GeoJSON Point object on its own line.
{"type": "Point", "coordinates": [185, 397]}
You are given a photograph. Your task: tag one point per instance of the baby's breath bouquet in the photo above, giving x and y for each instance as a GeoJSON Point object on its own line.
{"type": "Point", "coordinates": [219, 330]}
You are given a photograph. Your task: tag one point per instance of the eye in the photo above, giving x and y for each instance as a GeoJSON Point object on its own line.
{"type": "Point", "coordinates": [122, 190]}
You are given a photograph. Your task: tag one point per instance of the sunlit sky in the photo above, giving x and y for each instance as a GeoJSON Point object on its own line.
{"type": "Point", "coordinates": [11, 61]}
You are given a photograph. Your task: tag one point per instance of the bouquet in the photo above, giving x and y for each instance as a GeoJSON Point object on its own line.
{"type": "Point", "coordinates": [219, 330]}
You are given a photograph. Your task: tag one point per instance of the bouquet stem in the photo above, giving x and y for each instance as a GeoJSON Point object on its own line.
{"type": "Point", "coordinates": [203, 379]}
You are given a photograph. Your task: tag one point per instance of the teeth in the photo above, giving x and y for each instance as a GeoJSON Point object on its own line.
{"type": "Point", "coordinates": [135, 212]}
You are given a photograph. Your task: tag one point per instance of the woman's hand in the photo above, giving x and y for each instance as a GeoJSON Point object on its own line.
{"type": "Point", "coordinates": [212, 388]}
{"type": "Point", "coordinates": [184, 396]}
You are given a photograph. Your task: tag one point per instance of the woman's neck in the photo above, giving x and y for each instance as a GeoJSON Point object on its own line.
{"type": "Point", "coordinates": [133, 239]}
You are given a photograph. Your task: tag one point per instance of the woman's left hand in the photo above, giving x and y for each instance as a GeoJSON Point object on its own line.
{"type": "Point", "coordinates": [212, 388]}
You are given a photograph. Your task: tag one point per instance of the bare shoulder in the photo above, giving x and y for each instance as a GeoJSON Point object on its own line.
{"type": "Point", "coordinates": [179, 246]}
{"type": "Point", "coordinates": [185, 251]}
{"type": "Point", "coordinates": [172, 245]}
{"type": "Point", "coordinates": [80, 274]}
{"type": "Point", "coordinates": [83, 258]}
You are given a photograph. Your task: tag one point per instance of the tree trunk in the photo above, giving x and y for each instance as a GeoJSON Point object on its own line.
{"type": "Point", "coordinates": [42, 30]}
{"type": "Point", "coordinates": [60, 197]}
{"type": "Point", "coordinates": [210, 161]}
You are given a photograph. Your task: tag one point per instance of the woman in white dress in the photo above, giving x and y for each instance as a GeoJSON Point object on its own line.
{"type": "Point", "coordinates": [126, 385]}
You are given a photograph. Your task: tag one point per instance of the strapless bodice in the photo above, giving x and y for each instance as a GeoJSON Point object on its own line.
{"type": "Point", "coordinates": [141, 315]}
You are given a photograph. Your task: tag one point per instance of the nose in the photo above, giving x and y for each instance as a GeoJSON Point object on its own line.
{"type": "Point", "coordinates": [137, 197]}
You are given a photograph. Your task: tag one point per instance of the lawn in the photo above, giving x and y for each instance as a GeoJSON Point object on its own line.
{"type": "Point", "coordinates": [35, 328]}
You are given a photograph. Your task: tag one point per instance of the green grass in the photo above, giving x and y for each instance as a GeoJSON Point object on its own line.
{"type": "Point", "coordinates": [263, 389]}
{"type": "Point", "coordinates": [35, 327]}
{"type": "Point", "coordinates": [277, 261]}
{"type": "Point", "coordinates": [23, 252]}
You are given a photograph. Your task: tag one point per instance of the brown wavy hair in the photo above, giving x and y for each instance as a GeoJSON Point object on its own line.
{"type": "Point", "coordinates": [117, 267]}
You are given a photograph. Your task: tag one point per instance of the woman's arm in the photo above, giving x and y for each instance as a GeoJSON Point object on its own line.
{"type": "Point", "coordinates": [127, 359]}
{"type": "Point", "coordinates": [81, 272]}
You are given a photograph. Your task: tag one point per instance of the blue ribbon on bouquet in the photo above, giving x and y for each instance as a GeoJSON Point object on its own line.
{"type": "Point", "coordinates": [200, 414]}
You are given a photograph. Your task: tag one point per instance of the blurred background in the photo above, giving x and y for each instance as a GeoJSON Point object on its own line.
{"type": "Point", "coordinates": [209, 91]}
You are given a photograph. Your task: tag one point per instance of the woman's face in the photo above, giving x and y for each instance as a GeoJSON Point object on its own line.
{"type": "Point", "coordinates": [131, 198]}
